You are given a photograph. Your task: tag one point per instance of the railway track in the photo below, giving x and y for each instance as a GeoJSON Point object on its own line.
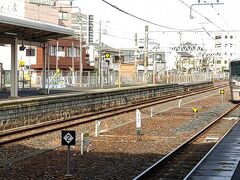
{"type": "Point", "coordinates": [21, 133]}
{"type": "Point", "coordinates": [178, 163]}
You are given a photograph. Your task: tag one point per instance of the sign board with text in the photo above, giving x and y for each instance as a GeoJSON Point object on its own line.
{"type": "Point", "coordinates": [30, 52]}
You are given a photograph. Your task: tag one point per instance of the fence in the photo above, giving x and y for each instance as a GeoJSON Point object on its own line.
{"type": "Point", "coordinates": [110, 79]}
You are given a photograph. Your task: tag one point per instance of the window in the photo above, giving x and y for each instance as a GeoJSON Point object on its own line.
{"type": "Point", "coordinates": [77, 52]}
{"type": "Point", "coordinates": [218, 61]}
{"type": "Point", "coordinates": [231, 45]}
{"type": "Point", "coordinates": [52, 50]}
{"type": "Point", "coordinates": [62, 15]}
{"type": "Point", "coordinates": [60, 48]}
{"type": "Point", "coordinates": [71, 52]}
{"type": "Point", "coordinates": [231, 37]}
{"type": "Point", "coordinates": [217, 45]}
{"type": "Point", "coordinates": [225, 62]}
{"type": "Point", "coordinates": [217, 37]}
{"type": "Point", "coordinates": [225, 36]}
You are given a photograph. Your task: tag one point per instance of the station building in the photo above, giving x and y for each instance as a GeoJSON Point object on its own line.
{"type": "Point", "coordinates": [62, 53]}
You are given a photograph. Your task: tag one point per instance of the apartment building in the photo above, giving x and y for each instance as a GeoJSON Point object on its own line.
{"type": "Point", "coordinates": [226, 48]}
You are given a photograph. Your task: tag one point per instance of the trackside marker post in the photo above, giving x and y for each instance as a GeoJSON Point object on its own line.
{"type": "Point", "coordinates": [222, 93]}
{"type": "Point", "coordinates": [138, 123]}
{"type": "Point", "coordinates": [85, 142]}
{"type": "Point", "coordinates": [151, 112]}
{"type": "Point", "coordinates": [68, 138]}
{"type": "Point", "coordinates": [97, 128]}
{"type": "Point", "coordinates": [195, 110]}
{"type": "Point", "coordinates": [179, 103]}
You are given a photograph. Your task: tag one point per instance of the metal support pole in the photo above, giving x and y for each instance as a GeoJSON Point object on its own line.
{"type": "Point", "coordinates": [57, 58]}
{"type": "Point", "coordinates": [48, 70]}
{"type": "Point", "coordinates": [14, 68]}
{"type": "Point", "coordinates": [154, 67]}
{"type": "Point", "coordinates": [135, 59]}
{"type": "Point", "coordinates": [211, 4]}
{"type": "Point", "coordinates": [73, 66]}
{"type": "Point", "coordinates": [100, 56]}
{"type": "Point", "coordinates": [68, 162]}
{"type": "Point", "coordinates": [146, 55]}
{"type": "Point", "coordinates": [80, 49]}
{"type": "Point", "coordinates": [44, 67]}
{"type": "Point", "coordinates": [80, 43]}
{"type": "Point", "coordinates": [119, 75]}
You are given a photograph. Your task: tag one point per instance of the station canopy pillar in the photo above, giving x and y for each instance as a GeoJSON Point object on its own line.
{"type": "Point", "coordinates": [44, 67]}
{"type": "Point", "coordinates": [14, 68]}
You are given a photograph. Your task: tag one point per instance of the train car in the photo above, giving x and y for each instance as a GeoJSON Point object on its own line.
{"type": "Point", "coordinates": [234, 79]}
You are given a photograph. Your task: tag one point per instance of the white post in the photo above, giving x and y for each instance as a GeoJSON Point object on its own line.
{"type": "Point", "coordinates": [151, 112]}
{"type": "Point", "coordinates": [138, 122]}
{"type": "Point", "coordinates": [82, 143]}
{"type": "Point", "coordinates": [179, 103]}
{"type": "Point", "coordinates": [97, 128]}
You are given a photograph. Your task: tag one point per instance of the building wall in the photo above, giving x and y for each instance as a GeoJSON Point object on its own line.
{"type": "Point", "coordinates": [41, 13]}
{"type": "Point", "coordinates": [64, 62]}
{"type": "Point", "coordinates": [226, 48]}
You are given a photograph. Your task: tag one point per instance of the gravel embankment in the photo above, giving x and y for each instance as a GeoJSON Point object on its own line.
{"type": "Point", "coordinates": [117, 153]}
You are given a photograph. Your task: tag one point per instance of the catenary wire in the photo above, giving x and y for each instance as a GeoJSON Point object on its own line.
{"type": "Point", "coordinates": [139, 18]}
{"type": "Point", "coordinates": [221, 17]}
{"type": "Point", "coordinates": [202, 15]}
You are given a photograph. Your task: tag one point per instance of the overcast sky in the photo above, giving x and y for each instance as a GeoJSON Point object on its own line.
{"type": "Point", "coordinates": [171, 13]}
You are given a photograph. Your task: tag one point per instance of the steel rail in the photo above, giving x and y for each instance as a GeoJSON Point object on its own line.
{"type": "Point", "coordinates": [153, 167]}
{"type": "Point", "coordinates": [90, 117]}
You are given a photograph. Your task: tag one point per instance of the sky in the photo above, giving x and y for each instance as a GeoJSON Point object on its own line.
{"type": "Point", "coordinates": [118, 29]}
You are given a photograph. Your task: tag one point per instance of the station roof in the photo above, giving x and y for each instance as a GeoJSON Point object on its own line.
{"type": "Point", "coordinates": [30, 30]}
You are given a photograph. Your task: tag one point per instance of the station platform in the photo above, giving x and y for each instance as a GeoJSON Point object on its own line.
{"type": "Point", "coordinates": [29, 93]}
{"type": "Point", "coordinates": [222, 163]}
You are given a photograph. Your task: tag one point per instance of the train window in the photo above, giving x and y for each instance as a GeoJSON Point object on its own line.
{"type": "Point", "coordinates": [235, 69]}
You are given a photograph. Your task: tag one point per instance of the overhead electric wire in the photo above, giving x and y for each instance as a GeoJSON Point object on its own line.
{"type": "Point", "coordinates": [119, 37]}
{"type": "Point", "coordinates": [208, 33]}
{"type": "Point", "coordinates": [150, 22]}
{"type": "Point", "coordinates": [222, 17]}
{"type": "Point", "coordinates": [202, 15]}
{"type": "Point", "coordinates": [111, 27]}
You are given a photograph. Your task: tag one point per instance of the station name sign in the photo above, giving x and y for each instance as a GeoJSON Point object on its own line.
{"type": "Point", "coordinates": [42, 2]}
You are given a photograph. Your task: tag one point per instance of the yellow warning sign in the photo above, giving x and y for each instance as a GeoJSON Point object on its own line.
{"type": "Point", "coordinates": [195, 110]}
{"type": "Point", "coordinates": [107, 55]}
{"type": "Point", "coordinates": [222, 91]}
{"type": "Point", "coordinates": [21, 63]}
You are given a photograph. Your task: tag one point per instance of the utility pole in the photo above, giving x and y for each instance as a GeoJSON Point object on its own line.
{"type": "Point", "coordinates": [100, 71]}
{"type": "Point", "coordinates": [135, 59]}
{"type": "Point", "coordinates": [80, 39]}
{"type": "Point", "coordinates": [57, 58]}
{"type": "Point", "coordinates": [146, 55]}
{"type": "Point", "coordinates": [180, 38]}
{"type": "Point", "coordinates": [80, 50]}
{"type": "Point", "coordinates": [73, 66]}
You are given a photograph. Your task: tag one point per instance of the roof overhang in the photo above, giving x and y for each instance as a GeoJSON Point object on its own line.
{"type": "Point", "coordinates": [29, 30]}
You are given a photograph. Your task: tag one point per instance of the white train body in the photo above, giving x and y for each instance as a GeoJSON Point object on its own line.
{"type": "Point", "coordinates": [234, 79]}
